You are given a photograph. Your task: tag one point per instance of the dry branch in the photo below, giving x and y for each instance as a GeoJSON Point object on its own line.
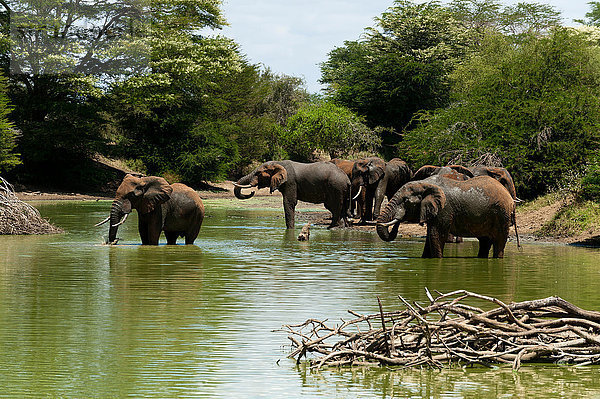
{"type": "Point", "coordinates": [18, 217]}
{"type": "Point", "coordinates": [449, 332]}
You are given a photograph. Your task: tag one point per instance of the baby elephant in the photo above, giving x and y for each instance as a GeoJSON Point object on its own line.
{"type": "Point", "coordinates": [175, 209]}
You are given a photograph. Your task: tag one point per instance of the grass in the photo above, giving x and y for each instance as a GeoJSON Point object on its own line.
{"type": "Point", "coordinates": [574, 218]}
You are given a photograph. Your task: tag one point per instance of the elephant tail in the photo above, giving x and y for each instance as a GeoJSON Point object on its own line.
{"type": "Point", "coordinates": [514, 223]}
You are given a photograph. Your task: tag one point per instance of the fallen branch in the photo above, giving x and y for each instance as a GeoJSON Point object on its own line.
{"type": "Point", "coordinates": [18, 217]}
{"type": "Point", "coordinates": [448, 332]}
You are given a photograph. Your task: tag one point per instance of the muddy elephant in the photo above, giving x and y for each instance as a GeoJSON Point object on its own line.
{"type": "Point", "coordinates": [175, 209]}
{"type": "Point", "coordinates": [478, 207]}
{"type": "Point", "coordinates": [366, 174]}
{"type": "Point", "coordinates": [498, 173]}
{"type": "Point", "coordinates": [317, 183]}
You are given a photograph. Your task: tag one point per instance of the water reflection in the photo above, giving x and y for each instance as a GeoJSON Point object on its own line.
{"type": "Point", "coordinates": [81, 319]}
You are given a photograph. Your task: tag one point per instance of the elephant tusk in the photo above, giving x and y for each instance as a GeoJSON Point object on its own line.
{"type": "Point", "coordinates": [358, 193]}
{"type": "Point", "coordinates": [102, 222]}
{"type": "Point", "coordinates": [122, 221]}
{"type": "Point", "coordinates": [393, 222]}
{"type": "Point", "coordinates": [242, 186]}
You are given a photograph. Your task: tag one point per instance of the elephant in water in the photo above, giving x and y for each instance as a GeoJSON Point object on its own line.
{"type": "Point", "coordinates": [175, 209]}
{"type": "Point", "coordinates": [478, 207]}
{"type": "Point", "coordinates": [317, 183]}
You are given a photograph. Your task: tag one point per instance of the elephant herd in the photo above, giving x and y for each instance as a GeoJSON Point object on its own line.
{"type": "Point", "coordinates": [454, 200]}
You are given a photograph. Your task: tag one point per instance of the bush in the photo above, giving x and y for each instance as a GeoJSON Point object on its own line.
{"type": "Point", "coordinates": [324, 126]}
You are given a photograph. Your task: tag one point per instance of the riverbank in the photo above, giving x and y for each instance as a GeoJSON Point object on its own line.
{"type": "Point", "coordinates": [532, 218]}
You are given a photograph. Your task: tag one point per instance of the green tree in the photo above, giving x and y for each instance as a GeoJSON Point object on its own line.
{"type": "Point", "coordinates": [532, 106]}
{"type": "Point", "coordinates": [400, 66]}
{"type": "Point", "coordinates": [8, 134]}
{"type": "Point", "coordinates": [324, 126]}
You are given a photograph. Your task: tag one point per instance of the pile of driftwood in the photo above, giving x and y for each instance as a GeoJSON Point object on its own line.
{"type": "Point", "coordinates": [449, 332]}
{"type": "Point", "coordinates": [18, 217]}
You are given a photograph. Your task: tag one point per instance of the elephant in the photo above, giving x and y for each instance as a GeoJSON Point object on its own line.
{"type": "Point", "coordinates": [346, 166]}
{"type": "Point", "coordinates": [498, 173]}
{"type": "Point", "coordinates": [317, 183]}
{"type": "Point", "coordinates": [456, 172]}
{"type": "Point", "coordinates": [478, 207]}
{"type": "Point", "coordinates": [366, 174]}
{"type": "Point", "coordinates": [396, 174]}
{"type": "Point", "coordinates": [175, 209]}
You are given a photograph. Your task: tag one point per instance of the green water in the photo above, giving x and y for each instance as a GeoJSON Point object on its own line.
{"type": "Point", "coordinates": [79, 319]}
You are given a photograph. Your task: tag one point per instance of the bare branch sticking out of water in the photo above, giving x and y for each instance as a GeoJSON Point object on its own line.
{"type": "Point", "coordinates": [449, 332]}
{"type": "Point", "coordinates": [18, 217]}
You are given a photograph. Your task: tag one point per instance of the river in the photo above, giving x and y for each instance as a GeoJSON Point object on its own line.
{"type": "Point", "coordinates": [81, 319]}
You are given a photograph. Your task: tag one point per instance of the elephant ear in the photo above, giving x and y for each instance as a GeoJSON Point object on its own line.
{"type": "Point", "coordinates": [156, 191]}
{"type": "Point", "coordinates": [279, 177]}
{"type": "Point", "coordinates": [433, 201]}
{"type": "Point", "coordinates": [376, 172]}
{"type": "Point", "coordinates": [425, 171]}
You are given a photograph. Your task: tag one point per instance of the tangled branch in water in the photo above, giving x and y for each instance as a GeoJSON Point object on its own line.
{"type": "Point", "coordinates": [449, 332]}
{"type": "Point", "coordinates": [18, 217]}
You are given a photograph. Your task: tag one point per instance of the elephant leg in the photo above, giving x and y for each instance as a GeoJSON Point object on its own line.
{"type": "Point", "coordinates": [143, 230]}
{"type": "Point", "coordinates": [336, 209]}
{"type": "Point", "coordinates": [289, 209]}
{"type": "Point", "coordinates": [435, 241]}
{"type": "Point", "coordinates": [193, 231]}
{"type": "Point", "coordinates": [368, 210]}
{"type": "Point", "coordinates": [499, 245]}
{"type": "Point", "coordinates": [485, 244]}
{"type": "Point", "coordinates": [154, 227]}
{"type": "Point", "coordinates": [171, 237]}
{"type": "Point", "coordinates": [436, 238]}
{"type": "Point", "coordinates": [379, 194]}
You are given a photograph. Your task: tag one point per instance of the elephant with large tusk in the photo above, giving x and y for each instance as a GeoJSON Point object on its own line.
{"type": "Point", "coordinates": [478, 207]}
{"type": "Point", "coordinates": [317, 183]}
{"type": "Point", "coordinates": [175, 209]}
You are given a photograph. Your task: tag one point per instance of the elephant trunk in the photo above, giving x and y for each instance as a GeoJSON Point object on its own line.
{"type": "Point", "coordinates": [244, 181]}
{"type": "Point", "coordinates": [117, 212]}
{"type": "Point", "coordinates": [384, 220]}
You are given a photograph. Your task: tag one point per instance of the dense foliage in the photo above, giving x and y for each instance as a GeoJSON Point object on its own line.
{"type": "Point", "coordinates": [532, 107]}
{"type": "Point", "coordinates": [469, 81]}
{"type": "Point", "coordinates": [8, 133]}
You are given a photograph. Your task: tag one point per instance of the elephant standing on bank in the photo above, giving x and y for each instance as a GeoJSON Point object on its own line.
{"type": "Point", "coordinates": [317, 183]}
{"type": "Point", "coordinates": [175, 209]}
{"type": "Point", "coordinates": [478, 207]}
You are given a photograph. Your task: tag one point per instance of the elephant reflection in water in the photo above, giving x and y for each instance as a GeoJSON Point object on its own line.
{"type": "Point", "coordinates": [175, 209]}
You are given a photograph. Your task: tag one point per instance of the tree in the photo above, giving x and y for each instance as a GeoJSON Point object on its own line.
{"type": "Point", "coordinates": [400, 66]}
{"type": "Point", "coordinates": [324, 126]}
{"type": "Point", "coordinates": [8, 133]}
{"type": "Point", "coordinates": [532, 106]}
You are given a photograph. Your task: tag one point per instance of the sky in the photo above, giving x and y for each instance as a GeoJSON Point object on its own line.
{"type": "Point", "coordinates": [293, 37]}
